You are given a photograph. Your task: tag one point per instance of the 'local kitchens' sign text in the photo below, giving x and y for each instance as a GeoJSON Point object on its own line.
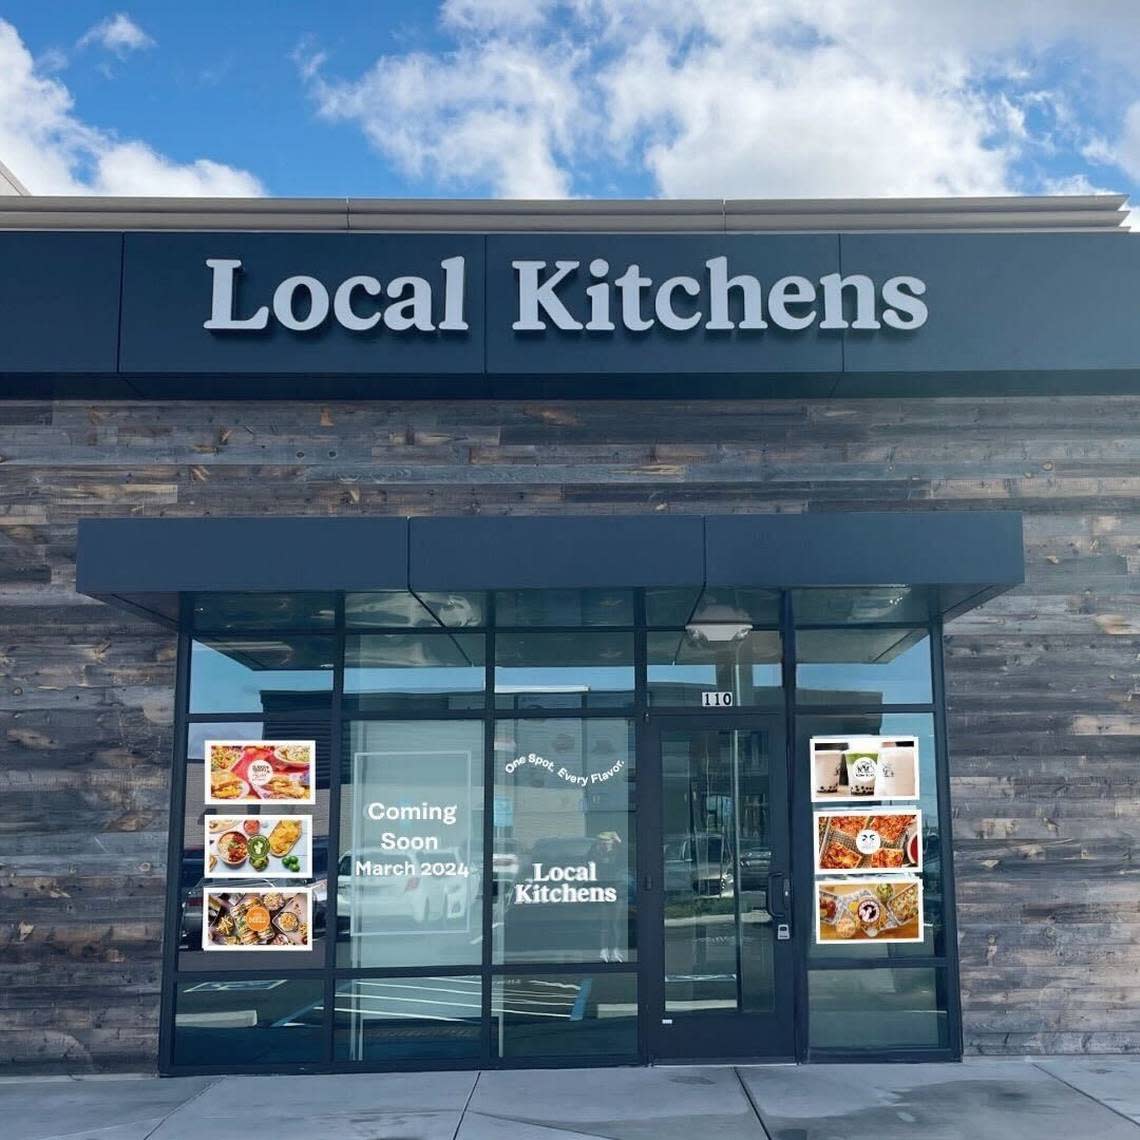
{"type": "Point", "coordinates": [549, 294]}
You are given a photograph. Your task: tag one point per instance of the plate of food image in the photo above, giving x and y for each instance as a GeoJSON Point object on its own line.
{"type": "Point", "coordinates": [260, 770]}
{"type": "Point", "coordinates": [273, 846]}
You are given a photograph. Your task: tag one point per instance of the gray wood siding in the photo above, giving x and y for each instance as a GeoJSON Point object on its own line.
{"type": "Point", "coordinates": [1044, 732]}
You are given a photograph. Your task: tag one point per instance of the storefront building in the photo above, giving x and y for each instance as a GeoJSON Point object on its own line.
{"type": "Point", "coordinates": [454, 635]}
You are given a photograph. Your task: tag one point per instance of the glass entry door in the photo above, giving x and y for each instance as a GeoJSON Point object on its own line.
{"type": "Point", "coordinates": [716, 890]}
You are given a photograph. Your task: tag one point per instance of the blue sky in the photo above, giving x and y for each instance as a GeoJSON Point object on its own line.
{"type": "Point", "coordinates": [554, 98]}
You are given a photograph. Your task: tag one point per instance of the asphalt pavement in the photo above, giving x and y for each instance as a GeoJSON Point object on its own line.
{"type": "Point", "coordinates": [1039, 1099]}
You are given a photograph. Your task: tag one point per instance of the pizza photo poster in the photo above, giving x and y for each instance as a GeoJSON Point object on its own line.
{"type": "Point", "coordinates": [868, 842]}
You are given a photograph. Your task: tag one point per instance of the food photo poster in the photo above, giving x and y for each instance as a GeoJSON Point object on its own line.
{"type": "Point", "coordinates": [868, 842]}
{"type": "Point", "coordinates": [275, 918]}
{"type": "Point", "coordinates": [868, 910]}
{"type": "Point", "coordinates": [862, 768]}
{"type": "Point", "coordinates": [271, 846]}
{"type": "Point", "coordinates": [260, 771]}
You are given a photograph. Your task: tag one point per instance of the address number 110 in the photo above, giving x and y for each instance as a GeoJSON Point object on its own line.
{"type": "Point", "coordinates": [716, 700]}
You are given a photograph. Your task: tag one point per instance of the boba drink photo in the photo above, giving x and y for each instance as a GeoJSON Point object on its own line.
{"type": "Point", "coordinates": [863, 768]}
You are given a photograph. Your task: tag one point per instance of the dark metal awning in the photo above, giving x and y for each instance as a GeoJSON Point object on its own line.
{"type": "Point", "coordinates": [953, 559]}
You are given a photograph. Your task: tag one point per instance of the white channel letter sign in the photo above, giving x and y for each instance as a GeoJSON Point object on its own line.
{"type": "Point", "coordinates": [355, 303]}
{"type": "Point", "coordinates": [627, 299]}
{"type": "Point", "coordinates": [684, 303]}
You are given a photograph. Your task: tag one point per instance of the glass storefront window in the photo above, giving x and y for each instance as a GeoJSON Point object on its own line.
{"type": "Point", "coordinates": [397, 608]}
{"type": "Point", "coordinates": [576, 670]}
{"type": "Point", "coordinates": [863, 604]}
{"type": "Point", "coordinates": [220, 1022]}
{"type": "Point", "coordinates": [921, 727]}
{"type": "Point", "coordinates": [417, 736]}
{"type": "Point", "coordinates": [399, 1020]}
{"type": "Point", "coordinates": [684, 664]}
{"type": "Point", "coordinates": [563, 607]}
{"type": "Point", "coordinates": [565, 1015]}
{"type": "Point", "coordinates": [717, 838]}
{"type": "Point", "coordinates": [397, 672]}
{"type": "Point", "coordinates": [682, 605]}
{"type": "Point", "coordinates": [863, 666]}
{"type": "Point", "coordinates": [224, 612]}
{"type": "Point", "coordinates": [564, 841]}
{"type": "Point", "coordinates": [409, 875]}
{"type": "Point", "coordinates": [875, 1011]}
{"type": "Point", "coordinates": [262, 674]}
{"type": "Point", "coordinates": [203, 873]}
{"type": "Point", "coordinates": [670, 605]}
{"type": "Point", "coordinates": [738, 604]}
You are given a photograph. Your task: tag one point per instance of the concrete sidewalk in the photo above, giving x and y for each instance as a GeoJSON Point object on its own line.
{"type": "Point", "coordinates": [979, 1100]}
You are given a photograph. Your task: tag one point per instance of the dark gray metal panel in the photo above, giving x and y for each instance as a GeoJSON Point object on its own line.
{"type": "Point", "coordinates": [128, 557]}
{"type": "Point", "coordinates": [554, 352]}
{"type": "Point", "coordinates": [167, 290]}
{"type": "Point", "coordinates": [1021, 302]}
{"type": "Point", "coordinates": [930, 548]}
{"type": "Point", "coordinates": [525, 553]}
{"type": "Point", "coordinates": [59, 302]}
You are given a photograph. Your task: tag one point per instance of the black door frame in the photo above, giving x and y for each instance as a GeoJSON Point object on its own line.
{"type": "Point", "coordinates": [788, 954]}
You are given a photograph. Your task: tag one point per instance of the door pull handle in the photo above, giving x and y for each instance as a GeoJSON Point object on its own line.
{"type": "Point", "coordinates": [779, 895]}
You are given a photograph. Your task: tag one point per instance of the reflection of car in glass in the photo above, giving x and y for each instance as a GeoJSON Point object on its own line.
{"type": "Point", "coordinates": [459, 891]}
{"type": "Point", "coordinates": [192, 886]}
{"type": "Point", "coordinates": [559, 853]}
{"type": "Point", "coordinates": [700, 863]}
{"type": "Point", "coordinates": [755, 863]}
{"type": "Point", "coordinates": [504, 864]}
{"type": "Point", "coordinates": [435, 890]}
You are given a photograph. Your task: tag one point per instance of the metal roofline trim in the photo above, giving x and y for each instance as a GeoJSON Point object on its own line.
{"type": "Point", "coordinates": [1062, 213]}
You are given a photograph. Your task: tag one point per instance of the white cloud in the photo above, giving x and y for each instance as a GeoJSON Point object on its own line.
{"type": "Point", "coordinates": [133, 168]}
{"type": "Point", "coordinates": [752, 118]}
{"type": "Point", "coordinates": [485, 15]}
{"type": "Point", "coordinates": [1126, 151]}
{"type": "Point", "coordinates": [52, 151]}
{"type": "Point", "coordinates": [503, 116]}
{"type": "Point", "coordinates": [750, 98]}
{"type": "Point", "coordinates": [118, 34]}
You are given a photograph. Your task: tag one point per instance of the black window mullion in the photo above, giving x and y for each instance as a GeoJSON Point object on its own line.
{"type": "Point", "coordinates": [509, 969]}
{"type": "Point", "coordinates": [946, 838]}
{"type": "Point", "coordinates": [284, 631]}
{"type": "Point", "coordinates": [487, 1040]}
{"type": "Point", "coordinates": [175, 840]}
{"type": "Point", "coordinates": [303, 716]}
{"type": "Point", "coordinates": [802, 868]}
{"type": "Point", "coordinates": [336, 765]}
{"type": "Point", "coordinates": [908, 962]}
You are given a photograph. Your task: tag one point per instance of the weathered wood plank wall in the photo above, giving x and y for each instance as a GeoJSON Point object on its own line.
{"type": "Point", "coordinates": [1043, 682]}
